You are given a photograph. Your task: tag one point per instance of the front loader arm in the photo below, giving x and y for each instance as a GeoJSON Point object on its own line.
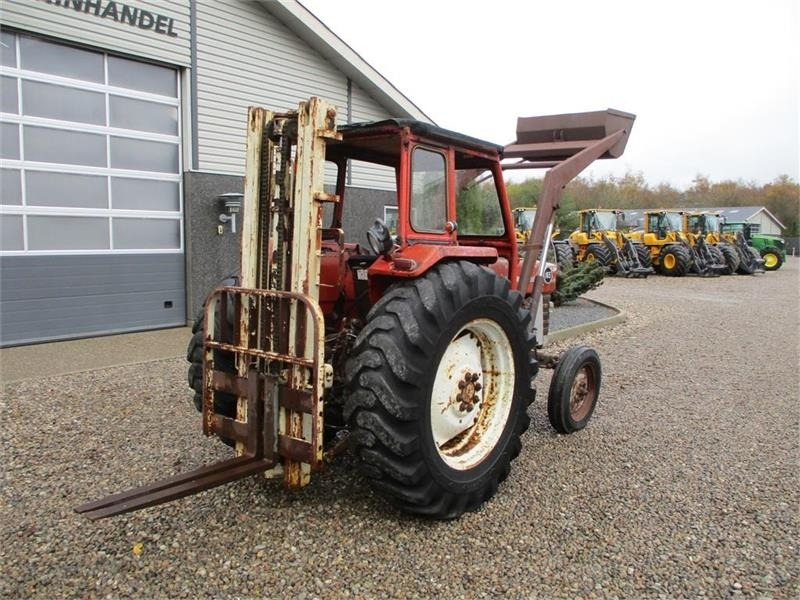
{"type": "Point", "coordinates": [566, 144]}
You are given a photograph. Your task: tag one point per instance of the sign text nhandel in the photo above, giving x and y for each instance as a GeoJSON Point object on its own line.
{"type": "Point", "coordinates": [121, 13]}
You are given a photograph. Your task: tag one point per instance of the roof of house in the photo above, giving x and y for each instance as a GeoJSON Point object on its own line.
{"type": "Point", "coordinates": [742, 213]}
{"type": "Point", "coordinates": [316, 34]}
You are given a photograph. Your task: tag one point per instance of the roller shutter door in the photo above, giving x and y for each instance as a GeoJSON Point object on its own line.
{"type": "Point", "coordinates": [91, 219]}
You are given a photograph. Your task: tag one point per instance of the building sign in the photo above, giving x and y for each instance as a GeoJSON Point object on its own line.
{"type": "Point", "coordinates": [120, 13]}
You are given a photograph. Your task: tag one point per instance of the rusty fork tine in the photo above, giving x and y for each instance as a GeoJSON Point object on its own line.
{"type": "Point", "coordinates": [172, 488]}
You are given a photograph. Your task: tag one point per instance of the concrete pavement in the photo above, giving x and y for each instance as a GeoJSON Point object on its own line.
{"type": "Point", "coordinates": [57, 358]}
{"type": "Point", "coordinates": [73, 356]}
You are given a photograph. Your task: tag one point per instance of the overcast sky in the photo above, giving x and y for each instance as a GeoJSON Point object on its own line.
{"type": "Point", "coordinates": [714, 83]}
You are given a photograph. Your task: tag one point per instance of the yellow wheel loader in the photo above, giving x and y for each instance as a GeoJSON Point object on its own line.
{"type": "Point", "coordinates": [670, 249]}
{"type": "Point", "coordinates": [707, 226]}
{"type": "Point", "coordinates": [599, 239]}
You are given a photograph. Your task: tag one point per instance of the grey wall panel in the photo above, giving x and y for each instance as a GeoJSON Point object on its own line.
{"type": "Point", "coordinates": [61, 20]}
{"type": "Point", "coordinates": [58, 297]}
{"type": "Point", "coordinates": [212, 257]}
{"type": "Point", "coordinates": [361, 209]}
{"type": "Point", "coordinates": [263, 64]}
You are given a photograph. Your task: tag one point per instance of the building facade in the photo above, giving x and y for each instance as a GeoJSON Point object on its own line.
{"type": "Point", "coordinates": [123, 124]}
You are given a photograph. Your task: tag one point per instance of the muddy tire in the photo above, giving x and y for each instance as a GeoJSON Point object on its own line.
{"type": "Point", "coordinates": [772, 258]}
{"type": "Point", "coordinates": [643, 253]}
{"type": "Point", "coordinates": [598, 253]}
{"type": "Point", "coordinates": [746, 264]}
{"type": "Point", "coordinates": [564, 256]}
{"type": "Point", "coordinates": [439, 382]}
{"type": "Point", "coordinates": [674, 261]}
{"type": "Point", "coordinates": [574, 389]}
{"type": "Point", "coordinates": [731, 257]}
{"type": "Point", "coordinates": [224, 404]}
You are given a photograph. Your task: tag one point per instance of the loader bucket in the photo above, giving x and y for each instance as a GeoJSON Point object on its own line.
{"type": "Point", "coordinates": [557, 137]}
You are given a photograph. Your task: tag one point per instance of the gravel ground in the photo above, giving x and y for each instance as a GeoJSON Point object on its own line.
{"type": "Point", "coordinates": [685, 484]}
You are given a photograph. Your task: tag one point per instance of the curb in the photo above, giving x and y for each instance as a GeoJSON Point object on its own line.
{"type": "Point", "coordinates": [569, 332]}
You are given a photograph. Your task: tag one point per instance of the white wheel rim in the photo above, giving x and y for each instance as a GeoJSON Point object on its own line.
{"type": "Point", "coordinates": [472, 394]}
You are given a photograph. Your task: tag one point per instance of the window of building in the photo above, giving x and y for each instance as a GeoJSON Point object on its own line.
{"type": "Point", "coordinates": [90, 147]}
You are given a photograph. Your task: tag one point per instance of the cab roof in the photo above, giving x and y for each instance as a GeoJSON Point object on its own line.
{"type": "Point", "coordinates": [378, 141]}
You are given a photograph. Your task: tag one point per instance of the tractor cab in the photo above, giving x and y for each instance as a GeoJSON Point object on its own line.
{"type": "Point", "coordinates": [523, 222]}
{"type": "Point", "coordinates": [664, 225]}
{"type": "Point", "coordinates": [593, 221]}
{"type": "Point", "coordinates": [450, 195]}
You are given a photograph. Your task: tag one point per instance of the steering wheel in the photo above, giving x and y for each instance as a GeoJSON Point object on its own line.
{"type": "Point", "coordinates": [379, 238]}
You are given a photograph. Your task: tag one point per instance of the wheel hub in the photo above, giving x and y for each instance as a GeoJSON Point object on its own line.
{"type": "Point", "coordinates": [581, 394]}
{"type": "Point", "coordinates": [472, 394]}
{"type": "Point", "coordinates": [469, 388]}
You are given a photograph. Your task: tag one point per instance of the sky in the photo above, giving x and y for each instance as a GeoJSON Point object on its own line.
{"type": "Point", "coordinates": [713, 83]}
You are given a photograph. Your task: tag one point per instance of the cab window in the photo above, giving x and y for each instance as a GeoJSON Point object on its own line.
{"type": "Point", "coordinates": [428, 191]}
{"type": "Point", "coordinates": [477, 204]}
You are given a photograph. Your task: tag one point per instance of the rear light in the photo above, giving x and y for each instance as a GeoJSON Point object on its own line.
{"type": "Point", "coordinates": [404, 264]}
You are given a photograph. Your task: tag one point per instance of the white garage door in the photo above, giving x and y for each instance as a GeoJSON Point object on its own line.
{"type": "Point", "coordinates": [91, 222]}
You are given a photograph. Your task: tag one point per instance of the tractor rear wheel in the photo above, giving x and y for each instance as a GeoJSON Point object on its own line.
{"type": "Point", "coordinates": [772, 258]}
{"type": "Point", "coordinates": [674, 260]}
{"type": "Point", "coordinates": [731, 258]}
{"type": "Point", "coordinates": [574, 389]}
{"type": "Point", "coordinates": [598, 253]}
{"type": "Point", "coordinates": [439, 381]}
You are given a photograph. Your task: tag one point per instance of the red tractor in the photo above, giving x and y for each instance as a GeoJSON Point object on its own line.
{"type": "Point", "coordinates": [418, 352]}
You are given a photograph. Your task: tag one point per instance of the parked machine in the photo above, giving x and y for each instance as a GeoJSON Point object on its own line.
{"type": "Point", "coordinates": [523, 222]}
{"type": "Point", "coordinates": [419, 353]}
{"type": "Point", "coordinates": [599, 239]}
{"type": "Point", "coordinates": [770, 248]}
{"type": "Point", "coordinates": [709, 227]}
{"type": "Point", "coordinates": [670, 249]}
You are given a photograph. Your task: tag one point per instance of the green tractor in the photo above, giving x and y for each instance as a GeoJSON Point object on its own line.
{"type": "Point", "coordinates": [772, 248]}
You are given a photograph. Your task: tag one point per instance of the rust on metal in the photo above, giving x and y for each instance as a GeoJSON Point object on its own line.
{"type": "Point", "coordinates": [582, 393]}
{"type": "Point", "coordinates": [297, 450]}
{"type": "Point", "coordinates": [296, 400]}
{"type": "Point", "coordinates": [172, 488]}
{"type": "Point", "coordinates": [567, 144]}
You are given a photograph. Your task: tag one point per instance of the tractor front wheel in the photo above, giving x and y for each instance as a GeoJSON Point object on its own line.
{"type": "Point", "coordinates": [439, 383]}
{"type": "Point", "coordinates": [772, 258]}
{"type": "Point", "coordinates": [574, 389]}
